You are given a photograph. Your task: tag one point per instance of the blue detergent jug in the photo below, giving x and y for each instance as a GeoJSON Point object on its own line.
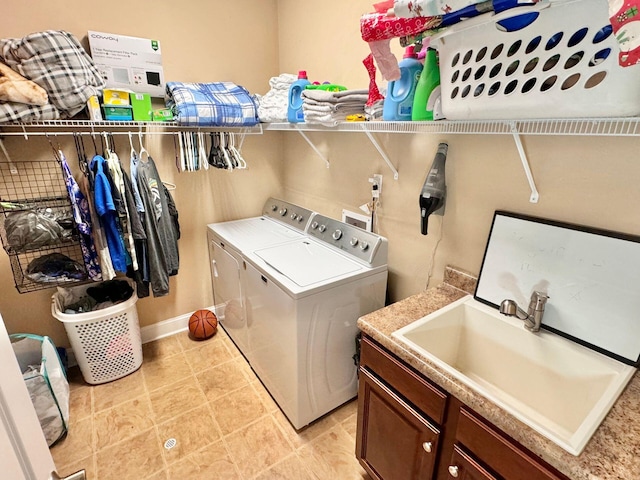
{"type": "Point", "coordinates": [398, 104]}
{"type": "Point", "coordinates": [294, 110]}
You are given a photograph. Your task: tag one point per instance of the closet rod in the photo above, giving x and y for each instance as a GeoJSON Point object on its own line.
{"type": "Point", "coordinates": [100, 132]}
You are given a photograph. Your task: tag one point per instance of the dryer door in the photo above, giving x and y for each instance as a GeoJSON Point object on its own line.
{"type": "Point", "coordinates": [227, 292]}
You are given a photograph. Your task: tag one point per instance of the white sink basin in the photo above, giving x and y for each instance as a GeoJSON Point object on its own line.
{"type": "Point", "coordinates": [557, 387]}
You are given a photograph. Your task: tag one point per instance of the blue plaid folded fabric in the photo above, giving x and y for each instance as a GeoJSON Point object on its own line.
{"type": "Point", "coordinates": [211, 104]}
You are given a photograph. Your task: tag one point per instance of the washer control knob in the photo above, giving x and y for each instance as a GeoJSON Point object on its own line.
{"type": "Point", "coordinates": [354, 241]}
{"type": "Point", "coordinates": [322, 228]}
{"type": "Point", "coordinates": [337, 234]}
{"type": "Point", "coordinates": [300, 218]}
{"type": "Point", "coordinates": [364, 246]}
{"type": "Point", "coordinates": [274, 207]}
{"type": "Point", "coordinates": [293, 216]}
{"type": "Point", "coordinates": [314, 225]}
{"type": "Point", "coordinates": [283, 212]}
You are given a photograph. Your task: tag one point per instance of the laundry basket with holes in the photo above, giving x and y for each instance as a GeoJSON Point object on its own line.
{"type": "Point", "coordinates": [105, 342]}
{"type": "Point", "coordinates": [556, 59]}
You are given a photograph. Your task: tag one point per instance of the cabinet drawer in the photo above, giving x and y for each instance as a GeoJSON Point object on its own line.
{"type": "Point", "coordinates": [420, 392]}
{"type": "Point", "coordinates": [508, 459]}
{"type": "Point", "coordinates": [465, 467]}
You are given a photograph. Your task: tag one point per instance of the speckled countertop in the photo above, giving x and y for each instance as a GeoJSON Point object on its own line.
{"type": "Point", "coordinates": [613, 453]}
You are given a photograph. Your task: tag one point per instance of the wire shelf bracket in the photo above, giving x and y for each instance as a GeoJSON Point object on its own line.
{"type": "Point", "coordinates": [382, 153]}
{"type": "Point", "coordinates": [535, 196]}
{"type": "Point", "coordinates": [313, 146]}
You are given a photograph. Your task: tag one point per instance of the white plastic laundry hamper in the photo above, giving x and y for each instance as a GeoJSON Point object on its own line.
{"type": "Point", "coordinates": [106, 342]}
{"type": "Point", "coordinates": [562, 64]}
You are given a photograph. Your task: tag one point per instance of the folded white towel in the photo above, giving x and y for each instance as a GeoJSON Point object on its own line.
{"type": "Point", "coordinates": [282, 81]}
{"type": "Point", "coordinates": [336, 97]}
{"type": "Point", "coordinates": [326, 119]}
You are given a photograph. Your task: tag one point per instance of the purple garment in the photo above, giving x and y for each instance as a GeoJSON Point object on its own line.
{"type": "Point", "coordinates": [82, 218]}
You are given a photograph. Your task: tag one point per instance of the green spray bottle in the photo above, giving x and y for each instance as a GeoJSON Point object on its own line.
{"type": "Point", "coordinates": [427, 97]}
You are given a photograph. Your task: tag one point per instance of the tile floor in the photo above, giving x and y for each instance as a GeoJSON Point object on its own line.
{"type": "Point", "coordinates": [205, 396]}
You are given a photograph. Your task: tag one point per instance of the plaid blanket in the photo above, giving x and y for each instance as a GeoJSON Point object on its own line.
{"type": "Point", "coordinates": [211, 104]}
{"type": "Point", "coordinates": [56, 61]}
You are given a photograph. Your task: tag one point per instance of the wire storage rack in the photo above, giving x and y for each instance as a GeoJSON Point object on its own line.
{"type": "Point", "coordinates": [36, 186]}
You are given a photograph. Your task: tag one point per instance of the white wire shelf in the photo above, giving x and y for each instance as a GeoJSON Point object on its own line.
{"type": "Point", "coordinates": [625, 127]}
{"type": "Point", "coordinates": [620, 127]}
{"type": "Point", "coordinates": [71, 127]}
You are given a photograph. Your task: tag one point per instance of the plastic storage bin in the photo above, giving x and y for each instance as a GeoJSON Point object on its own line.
{"type": "Point", "coordinates": [557, 59]}
{"type": "Point", "coordinates": [106, 342]}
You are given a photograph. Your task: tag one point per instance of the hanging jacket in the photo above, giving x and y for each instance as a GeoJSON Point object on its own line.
{"type": "Point", "coordinates": [162, 239]}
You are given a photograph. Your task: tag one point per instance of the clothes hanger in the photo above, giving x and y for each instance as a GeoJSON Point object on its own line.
{"type": "Point", "coordinates": [12, 167]}
{"type": "Point", "coordinates": [236, 154]}
{"type": "Point", "coordinates": [142, 149]}
{"type": "Point", "coordinates": [203, 151]}
{"type": "Point", "coordinates": [82, 157]}
{"type": "Point", "coordinates": [133, 153]}
{"type": "Point", "coordinates": [183, 162]}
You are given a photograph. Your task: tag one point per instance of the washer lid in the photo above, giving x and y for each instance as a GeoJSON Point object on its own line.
{"type": "Point", "coordinates": [306, 263]}
{"type": "Point", "coordinates": [250, 233]}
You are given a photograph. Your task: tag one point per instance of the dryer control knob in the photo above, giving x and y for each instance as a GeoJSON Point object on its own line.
{"type": "Point", "coordinates": [293, 216]}
{"type": "Point", "coordinates": [314, 225]}
{"type": "Point", "coordinates": [283, 212]}
{"type": "Point", "coordinates": [354, 241]}
{"type": "Point", "coordinates": [337, 234]}
{"type": "Point", "coordinates": [322, 228]}
{"type": "Point", "coordinates": [274, 208]}
{"type": "Point", "coordinates": [300, 218]}
{"type": "Point", "coordinates": [364, 246]}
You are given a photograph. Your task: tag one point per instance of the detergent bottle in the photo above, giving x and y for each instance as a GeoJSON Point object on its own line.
{"type": "Point", "coordinates": [426, 103]}
{"type": "Point", "coordinates": [398, 103]}
{"type": "Point", "coordinates": [294, 111]}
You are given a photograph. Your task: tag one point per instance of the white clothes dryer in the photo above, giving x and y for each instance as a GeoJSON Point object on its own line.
{"type": "Point", "coordinates": [303, 299]}
{"type": "Point", "coordinates": [280, 222]}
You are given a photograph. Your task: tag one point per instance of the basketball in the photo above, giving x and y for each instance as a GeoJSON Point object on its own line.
{"type": "Point", "coordinates": [203, 324]}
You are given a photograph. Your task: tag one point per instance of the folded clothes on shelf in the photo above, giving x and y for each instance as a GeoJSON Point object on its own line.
{"type": "Point", "coordinates": [211, 104]}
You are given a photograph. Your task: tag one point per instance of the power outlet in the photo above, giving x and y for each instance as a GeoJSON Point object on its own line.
{"type": "Point", "coordinates": [376, 187]}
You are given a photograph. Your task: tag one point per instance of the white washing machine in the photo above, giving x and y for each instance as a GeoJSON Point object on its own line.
{"type": "Point", "coordinates": [280, 222]}
{"type": "Point", "coordinates": [303, 299]}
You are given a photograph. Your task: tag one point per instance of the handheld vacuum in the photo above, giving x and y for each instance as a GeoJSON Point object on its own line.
{"type": "Point", "coordinates": [434, 189]}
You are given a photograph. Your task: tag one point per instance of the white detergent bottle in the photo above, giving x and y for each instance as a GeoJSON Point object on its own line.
{"type": "Point", "coordinates": [398, 104]}
{"type": "Point", "coordinates": [294, 111]}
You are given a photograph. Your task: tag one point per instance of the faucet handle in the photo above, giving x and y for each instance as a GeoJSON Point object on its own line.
{"type": "Point", "coordinates": [538, 300]}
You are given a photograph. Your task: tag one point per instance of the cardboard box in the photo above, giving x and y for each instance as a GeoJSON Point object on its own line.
{"type": "Point", "coordinates": [118, 112]}
{"type": "Point", "coordinates": [128, 62]}
{"type": "Point", "coordinates": [93, 107]}
{"type": "Point", "coordinates": [112, 96]}
{"type": "Point", "coordinates": [141, 104]}
{"type": "Point", "coordinates": [163, 115]}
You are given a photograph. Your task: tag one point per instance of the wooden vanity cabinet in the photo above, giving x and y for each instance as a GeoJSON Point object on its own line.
{"type": "Point", "coordinates": [398, 433]}
{"type": "Point", "coordinates": [409, 428]}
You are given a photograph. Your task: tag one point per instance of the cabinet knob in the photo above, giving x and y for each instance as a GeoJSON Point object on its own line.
{"type": "Point", "coordinates": [453, 471]}
{"type": "Point", "coordinates": [427, 446]}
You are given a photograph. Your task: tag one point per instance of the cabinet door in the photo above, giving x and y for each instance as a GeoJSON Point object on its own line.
{"type": "Point", "coordinates": [464, 467]}
{"type": "Point", "coordinates": [394, 441]}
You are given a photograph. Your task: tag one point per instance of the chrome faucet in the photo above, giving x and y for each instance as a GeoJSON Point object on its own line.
{"type": "Point", "coordinates": [533, 317]}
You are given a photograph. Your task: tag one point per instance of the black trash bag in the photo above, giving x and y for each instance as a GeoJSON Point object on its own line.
{"type": "Point", "coordinates": [111, 291]}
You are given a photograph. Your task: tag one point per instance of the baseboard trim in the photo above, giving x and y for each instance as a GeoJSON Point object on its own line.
{"type": "Point", "coordinates": [167, 327]}
{"type": "Point", "coordinates": [152, 332]}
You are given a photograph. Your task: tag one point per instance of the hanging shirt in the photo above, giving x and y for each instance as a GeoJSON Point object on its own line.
{"type": "Point", "coordinates": [82, 219]}
{"type": "Point", "coordinates": [162, 238]}
{"type": "Point", "coordinates": [106, 209]}
{"type": "Point", "coordinates": [99, 238]}
{"type": "Point", "coordinates": [123, 212]}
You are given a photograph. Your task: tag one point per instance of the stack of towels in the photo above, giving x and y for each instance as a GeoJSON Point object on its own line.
{"type": "Point", "coordinates": [273, 106]}
{"type": "Point", "coordinates": [330, 108]}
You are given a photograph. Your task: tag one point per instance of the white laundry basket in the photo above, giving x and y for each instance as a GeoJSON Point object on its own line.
{"type": "Point", "coordinates": [106, 342]}
{"type": "Point", "coordinates": [563, 64]}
